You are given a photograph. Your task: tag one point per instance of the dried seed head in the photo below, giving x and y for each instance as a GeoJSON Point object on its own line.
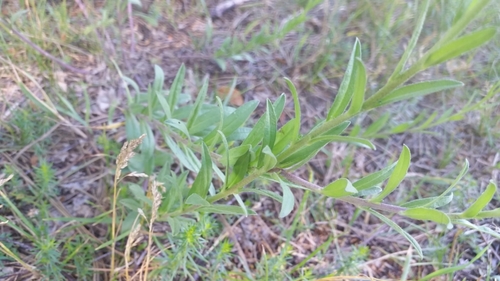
{"type": "Point", "coordinates": [127, 152]}
{"type": "Point", "coordinates": [3, 181]}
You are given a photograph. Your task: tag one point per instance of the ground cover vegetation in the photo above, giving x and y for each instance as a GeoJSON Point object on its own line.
{"type": "Point", "coordinates": [249, 140]}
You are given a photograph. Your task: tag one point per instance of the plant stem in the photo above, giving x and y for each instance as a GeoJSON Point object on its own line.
{"type": "Point", "coordinates": [358, 202]}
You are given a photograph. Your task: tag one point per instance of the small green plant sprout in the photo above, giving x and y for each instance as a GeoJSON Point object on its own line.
{"type": "Point", "coordinates": [213, 142]}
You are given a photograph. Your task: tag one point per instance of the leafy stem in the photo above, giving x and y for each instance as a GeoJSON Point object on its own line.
{"type": "Point", "coordinates": [358, 202]}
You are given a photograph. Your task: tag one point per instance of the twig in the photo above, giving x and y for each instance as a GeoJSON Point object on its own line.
{"type": "Point", "coordinates": [358, 202]}
{"type": "Point", "coordinates": [42, 51]}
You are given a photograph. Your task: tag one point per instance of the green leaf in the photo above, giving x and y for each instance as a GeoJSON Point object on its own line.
{"type": "Point", "coordinates": [440, 202]}
{"type": "Point", "coordinates": [481, 228]}
{"type": "Point", "coordinates": [197, 105]}
{"type": "Point", "coordinates": [284, 137]}
{"type": "Point", "coordinates": [206, 119]}
{"type": "Point", "coordinates": [178, 153]}
{"type": "Point", "coordinates": [358, 88]}
{"type": "Point", "coordinates": [234, 154]}
{"type": "Point", "coordinates": [353, 140]}
{"type": "Point", "coordinates": [132, 126]}
{"type": "Point", "coordinates": [179, 125]}
{"type": "Point", "coordinates": [176, 88]}
{"type": "Point", "coordinates": [460, 46]}
{"type": "Point", "coordinates": [397, 176]}
{"type": "Point", "coordinates": [226, 210]}
{"type": "Point", "coordinates": [202, 182]}
{"type": "Point", "coordinates": [302, 155]}
{"type": "Point", "coordinates": [238, 117]}
{"type": "Point", "coordinates": [279, 105]}
{"type": "Point", "coordinates": [423, 8]}
{"type": "Point", "coordinates": [345, 91]}
{"type": "Point", "coordinates": [164, 105]}
{"type": "Point", "coordinates": [376, 126]}
{"type": "Point", "coordinates": [419, 89]}
{"type": "Point", "coordinates": [339, 188]}
{"type": "Point", "coordinates": [374, 190]}
{"type": "Point", "coordinates": [241, 203]}
{"type": "Point", "coordinates": [158, 81]}
{"type": "Point", "coordinates": [428, 214]}
{"type": "Point", "coordinates": [264, 192]}
{"type": "Point", "coordinates": [399, 230]}
{"type": "Point", "coordinates": [269, 160]}
{"type": "Point", "coordinates": [138, 194]}
{"type": "Point", "coordinates": [270, 126]}
{"type": "Point", "coordinates": [296, 104]}
{"type": "Point", "coordinates": [195, 199]}
{"type": "Point", "coordinates": [480, 202]}
{"type": "Point", "coordinates": [288, 200]}
{"type": "Point", "coordinates": [240, 169]}
{"type": "Point", "coordinates": [257, 133]}
{"type": "Point", "coordinates": [374, 179]}
{"type": "Point", "coordinates": [488, 214]}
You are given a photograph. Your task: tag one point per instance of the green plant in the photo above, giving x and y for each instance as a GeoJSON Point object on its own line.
{"type": "Point", "coordinates": [233, 156]}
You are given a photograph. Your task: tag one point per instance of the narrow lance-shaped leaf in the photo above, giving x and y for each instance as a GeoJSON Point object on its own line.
{"type": "Point", "coordinates": [296, 104]}
{"type": "Point", "coordinates": [374, 179]}
{"type": "Point", "coordinates": [159, 77]}
{"type": "Point", "coordinates": [269, 161]}
{"type": "Point", "coordinates": [376, 126]}
{"type": "Point", "coordinates": [354, 140]}
{"type": "Point", "coordinates": [226, 210]}
{"type": "Point", "coordinates": [176, 88]}
{"type": "Point", "coordinates": [398, 174]}
{"type": "Point", "coordinates": [202, 182]}
{"type": "Point", "coordinates": [240, 169]}
{"type": "Point", "coordinates": [429, 215]}
{"type": "Point", "coordinates": [288, 200]}
{"type": "Point", "coordinates": [358, 88]}
{"type": "Point", "coordinates": [238, 117]}
{"type": "Point", "coordinates": [423, 8]}
{"type": "Point", "coordinates": [419, 90]}
{"type": "Point", "coordinates": [480, 202]}
{"type": "Point", "coordinates": [441, 201]}
{"type": "Point", "coordinates": [284, 137]}
{"type": "Point", "coordinates": [339, 188]}
{"type": "Point", "coordinates": [241, 203]}
{"type": "Point", "coordinates": [270, 126]}
{"type": "Point", "coordinates": [197, 105]}
{"type": "Point", "coordinates": [460, 46]}
{"type": "Point", "coordinates": [279, 105]}
{"type": "Point", "coordinates": [345, 92]}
